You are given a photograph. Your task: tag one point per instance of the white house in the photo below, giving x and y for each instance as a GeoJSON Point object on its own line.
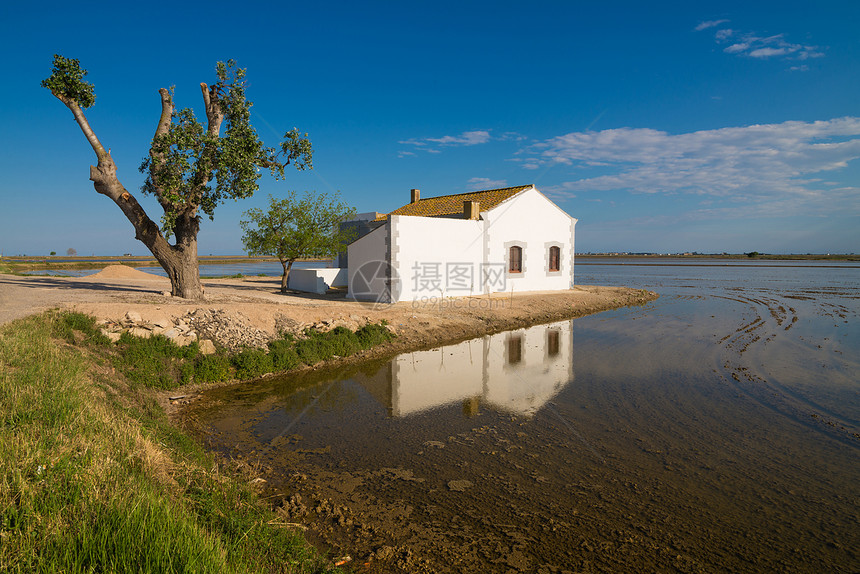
{"type": "Point", "coordinates": [510, 239]}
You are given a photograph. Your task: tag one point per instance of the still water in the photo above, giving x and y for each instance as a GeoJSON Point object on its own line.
{"type": "Point", "coordinates": [715, 429]}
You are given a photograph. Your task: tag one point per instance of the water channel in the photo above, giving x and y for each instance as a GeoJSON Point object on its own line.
{"type": "Point", "coordinates": [716, 429]}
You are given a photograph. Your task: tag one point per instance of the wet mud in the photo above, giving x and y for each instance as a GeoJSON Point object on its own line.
{"type": "Point", "coordinates": [713, 430]}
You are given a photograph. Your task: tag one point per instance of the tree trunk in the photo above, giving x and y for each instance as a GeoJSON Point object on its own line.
{"type": "Point", "coordinates": [184, 271]}
{"type": "Point", "coordinates": [179, 261]}
{"type": "Point", "coordinates": [287, 265]}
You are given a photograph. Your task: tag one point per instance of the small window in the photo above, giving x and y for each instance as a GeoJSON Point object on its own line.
{"type": "Point", "coordinates": [515, 349]}
{"type": "Point", "coordinates": [554, 258]}
{"type": "Point", "coordinates": [516, 260]}
{"type": "Point", "coordinates": [552, 342]}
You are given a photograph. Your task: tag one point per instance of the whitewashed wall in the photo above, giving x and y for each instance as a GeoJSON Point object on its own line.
{"type": "Point", "coordinates": [533, 222]}
{"type": "Point", "coordinates": [364, 255]}
{"type": "Point", "coordinates": [424, 249]}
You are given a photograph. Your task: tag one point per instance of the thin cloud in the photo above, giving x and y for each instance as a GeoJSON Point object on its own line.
{"type": "Point", "coordinates": [480, 183]}
{"type": "Point", "coordinates": [466, 138]}
{"type": "Point", "coordinates": [752, 45]}
{"type": "Point", "coordinates": [709, 24]}
{"type": "Point", "coordinates": [434, 145]}
{"type": "Point", "coordinates": [770, 52]}
{"type": "Point", "coordinates": [767, 165]}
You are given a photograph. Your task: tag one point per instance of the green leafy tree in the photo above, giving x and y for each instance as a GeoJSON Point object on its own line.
{"type": "Point", "coordinates": [297, 228]}
{"type": "Point", "coordinates": [191, 167]}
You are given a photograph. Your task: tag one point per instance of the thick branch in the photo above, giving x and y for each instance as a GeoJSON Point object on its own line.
{"type": "Point", "coordinates": [214, 118]}
{"type": "Point", "coordinates": [81, 119]}
{"type": "Point", "coordinates": [214, 113]}
{"type": "Point", "coordinates": [166, 112]}
{"type": "Point", "coordinates": [161, 129]}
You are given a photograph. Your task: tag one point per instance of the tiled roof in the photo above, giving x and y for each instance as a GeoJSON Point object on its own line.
{"type": "Point", "coordinates": [449, 205]}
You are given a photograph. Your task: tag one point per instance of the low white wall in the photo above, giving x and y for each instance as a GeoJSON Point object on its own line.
{"type": "Point", "coordinates": [317, 280]}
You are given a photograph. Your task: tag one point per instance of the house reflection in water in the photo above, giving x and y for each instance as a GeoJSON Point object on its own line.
{"type": "Point", "coordinates": [516, 372]}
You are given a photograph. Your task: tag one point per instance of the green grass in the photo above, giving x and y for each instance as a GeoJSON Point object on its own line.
{"type": "Point", "coordinates": [157, 362]}
{"type": "Point", "coordinates": [252, 363]}
{"type": "Point", "coordinates": [212, 369]}
{"type": "Point", "coordinates": [93, 478]}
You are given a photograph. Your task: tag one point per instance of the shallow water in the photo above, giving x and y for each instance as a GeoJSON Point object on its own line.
{"type": "Point", "coordinates": [715, 429]}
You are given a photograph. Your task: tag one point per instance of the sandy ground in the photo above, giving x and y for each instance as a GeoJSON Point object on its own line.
{"type": "Point", "coordinates": [116, 290]}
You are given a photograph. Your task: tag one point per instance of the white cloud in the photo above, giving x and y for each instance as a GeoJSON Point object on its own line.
{"type": "Point", "coordinates": [480, 183]}
{"type": "Point", "coordinates": [758, 164]}
{"type": "Point", "coordinates": [709, 24]}
{"type": "Point", "coordinates": [433, 145]}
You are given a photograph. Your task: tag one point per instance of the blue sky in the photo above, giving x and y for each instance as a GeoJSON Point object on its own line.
{"type": "Point", "coordinates": [661, 126]}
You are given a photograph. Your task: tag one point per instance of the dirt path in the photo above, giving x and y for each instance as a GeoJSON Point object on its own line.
{"type": "Point", "coordinates": [257, 302]}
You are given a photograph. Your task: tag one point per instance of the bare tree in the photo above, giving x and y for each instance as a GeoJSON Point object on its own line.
{"type": "Point", "coordinates": [190, 168]}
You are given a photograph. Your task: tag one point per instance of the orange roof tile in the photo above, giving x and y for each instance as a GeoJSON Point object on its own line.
{"type": "Point", "coordinates": [449, 205]}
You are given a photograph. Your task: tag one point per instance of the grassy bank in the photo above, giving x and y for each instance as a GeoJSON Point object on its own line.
{"type": "Point", "coordinates": [93, 478]}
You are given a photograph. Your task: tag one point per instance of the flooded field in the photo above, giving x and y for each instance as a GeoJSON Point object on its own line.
{"type": "Point", "coordinates": [715, 429]}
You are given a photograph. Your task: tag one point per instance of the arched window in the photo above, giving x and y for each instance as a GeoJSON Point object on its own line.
{"type": "Point", "coordinates": [554, 258]}
{"type": "Point", "coordinates": [515, 264]}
